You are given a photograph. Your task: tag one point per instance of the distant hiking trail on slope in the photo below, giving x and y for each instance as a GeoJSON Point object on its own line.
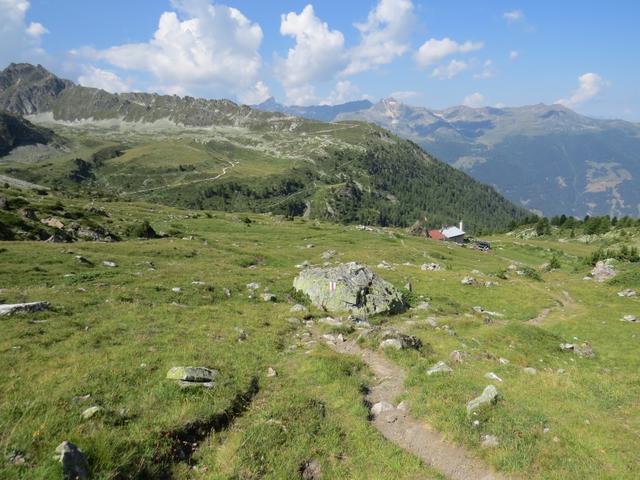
{"type": "Point", "coordinates": [410, 434]}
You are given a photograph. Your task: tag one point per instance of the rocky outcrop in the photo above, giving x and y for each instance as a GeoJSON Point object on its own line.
{"type": "Point", "coordinates": [603, 270]}
{"type": "Point", "coordinates": [349, 287]}
{"type": "Point", "coordinates": [10, 309]}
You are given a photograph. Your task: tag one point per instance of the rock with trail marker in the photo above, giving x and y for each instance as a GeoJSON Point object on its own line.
{"type": "Point", "coordinates": [349, 287]}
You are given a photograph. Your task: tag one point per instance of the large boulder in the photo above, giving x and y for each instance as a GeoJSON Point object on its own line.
{"type": "Point", "coordinates": [349, 287]}
{"type": "Point", "coordinates": [603, 270]}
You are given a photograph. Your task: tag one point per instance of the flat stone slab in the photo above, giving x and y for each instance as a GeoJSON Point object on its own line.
{"type": "Point", "coordinates": [10, 309]}
{"type": "Point", "coordinates": [192, 374]}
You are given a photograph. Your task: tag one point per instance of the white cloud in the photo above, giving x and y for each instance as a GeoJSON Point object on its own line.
{"type": "Point", "coordinates": [36, 29]}
{"type": "Point", "coordinates": [453, 68]}
{"type": "Point", "coordinates": [256, 94]}
{"type": "Point", "coordinates": [433, 50]}
{"type": "Point", "coordinates": [513, 16]}
{"type": "Point", "coordinates": [488, 71]}
{"type": "Point", "coordinates": [384, 36]}
{"type": "Point", "coordinates": [589, 85]}
{"type": "Point", "coordinates": [200, 45]}
{"type": "Point", "coordinates": [475, 100]}
{"type": "Point", "coordinates": [104, 79]}
{"type": "Point", "coordinates": [18, 41]}
{"type": "Point", "coordinates": [318, 53]}
{"type": "Point", "coordinates": [405, 95]}
{"type": "Point", "coordinates": [343, 92]}
{"type": "Point", "coordinates": [513, 55]}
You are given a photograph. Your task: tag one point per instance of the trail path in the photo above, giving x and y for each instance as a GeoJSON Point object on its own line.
{"type": "Point", "coordinates": [564, 302]}
{"type": "Point", "coordinates": [415, 436]}
{"type": "Point", "coordinates": [190, 182]}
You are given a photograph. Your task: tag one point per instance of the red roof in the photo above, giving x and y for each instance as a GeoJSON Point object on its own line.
{"type": "Point", "coordinates": [436, 235]}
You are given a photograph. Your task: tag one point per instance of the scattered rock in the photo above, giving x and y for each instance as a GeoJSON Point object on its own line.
{"type": "Point", "coordinates": [334, 322]}
{"type": "Point", "coordinates": [299, 308]}
{"type": "Point", "coordinates": [385, 265]}
{"type": "Point", "coordinates": [329, 254]}
{"type": "Point", "coordinates": [52, 222]}
{"type": "Point", "coordinates": [310, 470]}
{"type": "Point", "coordinates": [304, 264]}
{"type": "Point", "coordinates": [197, 282]}
{"type": "Point", "coordinates": [189, 377]}
{"type": "Point", "coordinates": [603, 270]}
{"type": "Point", "coordinates": [110, 264]}
{"type": "Point", "coordinates": [432, 322]}
{"type": "Point", "coordinates": [380, 407]}
{"type": "Point", "coordinates": [176, 290]}
{"type": "Point", "coordinates": [422, 306]}
{"type": "Point", "coordinates": [468, 281]}
{"type": "Point", "coordinates": [489, 441]}
{"type": "Point", "coordinates": [242, 335]}
{"type": "Point", "coordinates": [226, 292]}
{"type": "Point", "coordinates": [489, 397]}
{"type": "Point", "coordinates": [583, 350]}
{"type": "Point", "coordinates": [74, 463]}
{"type": "Point", "coordinates": [503, 361]}
{"type": "Point", "coordinates": [430, 267]}
{"type": "Point", "coordinates": [268, 297]}
{"type": "Point", "coordinates": [394, 339]}
{"type": "Point", "coordinates": [81, 398]}
{"type": "Point", "coordinates": [492, 376]}
{"type": "Point", "coordinates": [457, 356]}
{"type": "Point", "coordinates": [630, 318]}
{"type": "Point", "coordinates": [349, 287]}
{"type": "Point", "coordinates": [438, 368]}
{"type": "Point", "coordinates": [253, 286]}
{"type": "Point", "coordinates": [10, 309]}
{"type": "Point", "coordinates": [90, 412]}
{"type": "Point", "coordinates": [403, 406]}
{"type": "Point", "coordinates": [627, 293]}
{"type": "Point", "coordinates": [529, 370]}
{"type": "Point", "coordinates": [16, 458]}
{"type": "Point", "coordinates": [271, 372]}
{"type": "Point", "coordinates": [83, 260]}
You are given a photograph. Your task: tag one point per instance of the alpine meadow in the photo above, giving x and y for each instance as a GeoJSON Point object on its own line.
{"type": "Point", "coordinates": [422, 263]}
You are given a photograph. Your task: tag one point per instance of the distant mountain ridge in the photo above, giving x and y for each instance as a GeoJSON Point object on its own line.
{"type": "Point", "coordinates": [323, 113]}
{"type": "Point", "coordinates": [543, 157]}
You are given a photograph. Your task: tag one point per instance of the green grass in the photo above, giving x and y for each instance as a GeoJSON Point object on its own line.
{"type": "Point", "coordinates": [114, 333]}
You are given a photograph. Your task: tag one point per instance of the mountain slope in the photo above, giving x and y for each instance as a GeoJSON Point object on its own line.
{"type": "Point", "coordinates": [215, 154]}
{"type": "Point", "coordinates": [17, 132]}
{"type": "Point", "coordinates": [548, 158]}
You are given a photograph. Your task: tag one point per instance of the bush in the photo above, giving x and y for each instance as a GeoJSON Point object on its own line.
{"type": "Point", "coordinates": [624, 254]}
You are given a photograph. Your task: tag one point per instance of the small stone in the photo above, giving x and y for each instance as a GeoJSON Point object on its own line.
{"type": "Point", "coordinates": [328, 255]}
{"type": "Point", "coordinates": [253, 286]}
{"type": "Point", "coordinates": [457, 356]}
{"type": "Point", "coordinates": [438, 368]}
{"type": "Point", "coordinates": [192, 374]}
{"type": "Point", "coordinates": [627, 293]}
{"type": "Point", "coordinates": [432, 322]}
{"type": "Point", "coordinates": [242, 335]}
{"type": "Point", "coordinates": [334, 322]}
{"type": "Point", "coordinates": [176, 290]}
{"type": "Point", "coordinates": [630, 318]}
{"type": "Point", "coordinates": [488, 397]}
{"type": "Point", "coordinates": [476, 424]}
{"type": "Point", "coordinates": [109, 264]}
{"type": "Point", "coordinates": [299, 308]}
{"type": "Point", "coordinates": [468, 281]}
{"type": "Point", "coordinates": [90, 412]}
{"type": "Point", "coordinates": [492, 376]}
{"type": "Point", "coordinates": [197, 282]}
{"type": "Point", "coordinates": [503, 361]}
{"type": "Point", "coordinates": [81, 398]}
{"type": "Point", "coordinates": [529, 370]}
{"type": "Point", "coordinates": [546, 430]}
{"type": "Point", "coordinates": [16, 458]}
{"type": "Point", "coordinates": [432, 267]}
{"type": "Point", "coordinates": [380, 407]}
{"type": "Point", "coordinates": [226, 292]}
{"type": "Point", "coordinates": [271, 372]}
{"type": "Point", "coordinates": [268, 297]}
{"type": "Point", "coordinates": [74, 463]}
{"type": "Point", "coordinates": [489, 441]}
{"type": "Point", "coordinates": [310, 470]}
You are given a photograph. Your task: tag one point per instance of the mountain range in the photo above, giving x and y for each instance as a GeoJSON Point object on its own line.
{"type": "Point", "coordinates": [546, 158]}
{"type": "Point", "coordinates": [215, 154]}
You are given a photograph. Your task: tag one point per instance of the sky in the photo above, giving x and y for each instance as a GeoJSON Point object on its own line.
{"type": "Point", "coordinates": [433, 53]}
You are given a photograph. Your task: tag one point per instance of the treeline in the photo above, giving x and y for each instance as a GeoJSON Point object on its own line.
{"type": "Point", "coordinates": [597, 225]}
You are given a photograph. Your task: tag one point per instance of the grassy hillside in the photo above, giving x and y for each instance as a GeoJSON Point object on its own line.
{"type": "Point", "coordinates": [346, 172]}
{"type": "Point", "coordinates": [113, 333]}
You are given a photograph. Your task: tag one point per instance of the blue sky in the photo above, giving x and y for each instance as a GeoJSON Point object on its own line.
{"type": "Point", "coordinates": [434, 53]}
